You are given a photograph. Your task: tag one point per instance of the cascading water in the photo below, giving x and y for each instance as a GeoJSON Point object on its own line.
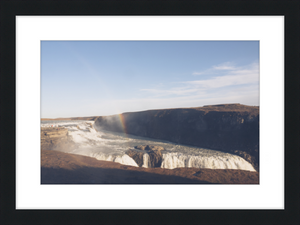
{"type": "Point", "coordinates": [226, 161]}
{"type": "Point", "coordinates": [146, 161]}
{"type": "Point", "coordinates": [110, 146]}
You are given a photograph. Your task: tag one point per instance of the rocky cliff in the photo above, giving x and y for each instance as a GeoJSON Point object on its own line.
{"type": "Point", "coordinates": [53, 138]}
{"type": "Point", "coordinates": [232, 128]}
{"type": "Point", "coordinates": [152, 151]}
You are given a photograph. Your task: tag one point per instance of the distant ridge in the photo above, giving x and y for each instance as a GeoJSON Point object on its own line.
{"type": "Point", "coordinates": [236, 107]}
{"type": "Point", "coordinates": [231, 107]}
{"type": "Point", "coordinates": [73, 118]}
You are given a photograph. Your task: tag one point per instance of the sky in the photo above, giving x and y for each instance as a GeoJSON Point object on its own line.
{"type": "Point", "coordinates": [97, 78]}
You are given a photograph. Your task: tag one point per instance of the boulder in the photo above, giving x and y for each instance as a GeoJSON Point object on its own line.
{"type": "Point", "coordinates": [137, 156]}
{"type": "Point", "coordinates": [155, 158]}
{"type": "Point", "coordinates": [153, 151]}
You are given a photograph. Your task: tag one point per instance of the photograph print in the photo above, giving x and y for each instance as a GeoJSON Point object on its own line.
{"type": "Point", "coordinates": [150, 112]}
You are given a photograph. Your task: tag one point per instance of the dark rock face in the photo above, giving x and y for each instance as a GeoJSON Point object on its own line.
{"type": "Point", "coordinates": [136, 155]}
{"type": "Point", "coordinates": [155, 158]}
{"type": "Point", "coordinates": [154, 152]}
{"type": "Point", "coordinates": [232, 128]}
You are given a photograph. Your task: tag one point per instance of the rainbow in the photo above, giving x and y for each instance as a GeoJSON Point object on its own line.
{"type": "Point", "coordinates": [122, 121]}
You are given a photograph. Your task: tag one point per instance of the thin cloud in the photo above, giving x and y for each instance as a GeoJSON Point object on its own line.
{"type": "Point", "coordinates": [225, 66]}
{"type": "Point", "coordinates": [202, 73]}
{"type": "Point", "coordinates": [173, 91]}
{"type": "Point", "coordinates": [227, 80]}
{"type": "Point", "coordinates": [229, 84]}
{"type": "Point", "coordinates": [233, 76]}
{"type": "Point", "coordinates": [216, 69]}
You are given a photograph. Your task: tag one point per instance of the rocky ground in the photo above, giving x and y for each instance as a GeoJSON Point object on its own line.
{"type": "Point", "coordinates": [54, 138]}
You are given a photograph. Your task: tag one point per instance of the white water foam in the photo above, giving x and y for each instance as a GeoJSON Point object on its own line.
{"type": "Point", "coordinates": [227, 161]}
{"type": "Point", "coordinates": [110, 146]}
{"type": "Point", "coordinates": [146, 161]}
{"type": "Point", "coordinates": [122, 159]}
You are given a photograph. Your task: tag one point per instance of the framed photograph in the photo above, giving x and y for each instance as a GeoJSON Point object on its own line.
{"type": "Point", "coordinates": [131, 87]}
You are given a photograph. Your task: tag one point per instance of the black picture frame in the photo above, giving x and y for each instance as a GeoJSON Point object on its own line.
{"type": "Point", "coordinates": [11, 9]}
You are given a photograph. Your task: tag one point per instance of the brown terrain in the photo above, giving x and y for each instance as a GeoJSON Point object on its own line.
{"type": "Point", "coordinates": [53, 138]}
{"type": "Point", "coordinates": [63, 168]}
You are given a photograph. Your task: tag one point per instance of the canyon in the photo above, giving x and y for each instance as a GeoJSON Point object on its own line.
{"type": "Point", "coordinates": [58, 167]}
{"type": "Point", "coordinates": [232, 128]}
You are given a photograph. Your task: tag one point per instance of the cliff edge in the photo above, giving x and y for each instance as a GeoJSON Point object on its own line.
{"type": "Point", "coordinates": [53, 138]}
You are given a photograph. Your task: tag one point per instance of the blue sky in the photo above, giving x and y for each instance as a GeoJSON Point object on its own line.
{"type": "Point", "coordinates": [94, 78]}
